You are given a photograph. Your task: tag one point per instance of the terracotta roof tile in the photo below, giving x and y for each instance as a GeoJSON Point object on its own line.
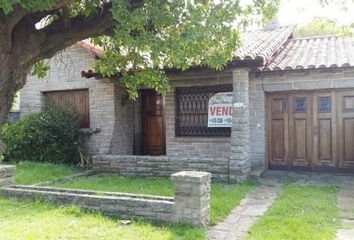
{"type": "Point", "coordinates": [311, 53]}
{"type": "Point", "coordinates": [86, 44]}
{"type": "Point", "coordinates": [262, 44]}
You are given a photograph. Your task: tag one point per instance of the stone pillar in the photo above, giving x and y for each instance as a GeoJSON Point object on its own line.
{"type": "Point", "coordinates": [192, 197]}
{"type": "Point", "coordinates": [7, 173]}
{"type": "Point", "coordinates": [239, 164]}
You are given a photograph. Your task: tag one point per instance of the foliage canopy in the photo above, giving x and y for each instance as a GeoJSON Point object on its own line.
{"type": "Point", "coordinates": [144, 36]}
{"type": "Point", "coordinates": [320, 26]}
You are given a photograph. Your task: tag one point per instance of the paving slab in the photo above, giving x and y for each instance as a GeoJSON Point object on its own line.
{"type": "Point", "coordinates": [313, 178]}
{"type": "Point", "coordinates": [237, 225]}
{"type": "Point", "coordinates": [346, 213]}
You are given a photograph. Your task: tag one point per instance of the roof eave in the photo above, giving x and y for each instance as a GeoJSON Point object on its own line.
{"type": "Point", "coordinates": [301, 70]}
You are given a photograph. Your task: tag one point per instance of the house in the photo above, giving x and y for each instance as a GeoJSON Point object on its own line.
{"type": "Point", "coordinates": [292, 109]}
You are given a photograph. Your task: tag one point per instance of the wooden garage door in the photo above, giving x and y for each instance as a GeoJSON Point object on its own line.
{"type": "Point", "coordinates": [311, 131]}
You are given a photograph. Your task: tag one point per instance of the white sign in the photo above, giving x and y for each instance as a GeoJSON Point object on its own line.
{"type": "Point", "coordinates": [220, 110]}
{"type": "Point", "coordinates": [238, 105]}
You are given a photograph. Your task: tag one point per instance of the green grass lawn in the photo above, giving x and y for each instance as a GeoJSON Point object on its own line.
{"type": "Point", "coordinates": [31, 220]}
{"type": "Point", "coordinates": [30, 173]}
{"type": "Point", "coordinates": [300, 213]}
{"type": "Point", "coordinates": [224, 197]}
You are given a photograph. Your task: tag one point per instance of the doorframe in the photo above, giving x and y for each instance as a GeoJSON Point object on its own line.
{"type": "Point", "coordinates": [142, 92]}
{"type": "Point", "coordinates": [268, 132]}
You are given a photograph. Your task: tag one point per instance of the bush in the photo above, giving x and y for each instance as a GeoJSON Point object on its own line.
{"type": "Point", "coordinates": [52, 136]}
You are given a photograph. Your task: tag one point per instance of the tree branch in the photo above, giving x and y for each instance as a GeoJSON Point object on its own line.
{"type": "Point", "coordinates": [9, 22]}
{"type": "Point", "coordinates": [6, 26]}
{"type": "Point", "coordinates": [65, 17]}
{"type": "Point", "coordinates": [31, 46]}
{"type": "Point", "coordinates": [100, 23]}
{"type": "Point", "coordinates": [81, 28]}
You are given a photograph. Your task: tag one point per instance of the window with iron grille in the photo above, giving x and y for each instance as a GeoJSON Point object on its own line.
{"type": "Point", "coordinates": [192, 111]}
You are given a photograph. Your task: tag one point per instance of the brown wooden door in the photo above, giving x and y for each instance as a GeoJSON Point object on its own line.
{"type": "Point", "coordinates": [346, 129]}
{"type": "Point", "coordinates": [278, 131]}
{"type": "Point", "coordinates": [300, 126]}
{"type": "Point", "coordinates": [312, 131]}
{"type": "Point", "coordinates": [153, 123]}
{"type": "Point", "coordinates": [324, 131]}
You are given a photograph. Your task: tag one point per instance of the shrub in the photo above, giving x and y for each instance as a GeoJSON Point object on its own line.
{"type": "Point", "coordinates": [52, 136]}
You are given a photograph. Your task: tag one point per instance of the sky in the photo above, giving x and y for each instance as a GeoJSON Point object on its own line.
{"type": "Point", "coordinates": [293, 12]}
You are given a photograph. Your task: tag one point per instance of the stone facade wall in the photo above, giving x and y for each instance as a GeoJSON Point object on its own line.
{"type": "Point", "coordinates": [7, 173]}
{"type": "Point", "coordinates": [306, 80]}
{"type": "Point", "coordinates": [122, 140]}
{"type": "Point", "coordinates": [240, 164]}
{"type": "Point", "coordinates": [160, 166]}
{"type": "Point", "coordinates": [257, 151]}
{"type": "Point", "coordinates": [285, 81]}
{"type": "Point", "coordinates": [190, 205]}
{"type": "Point", "coordinates": [65, 74]}
{"type": "Point", "coordinates": [203, 147]}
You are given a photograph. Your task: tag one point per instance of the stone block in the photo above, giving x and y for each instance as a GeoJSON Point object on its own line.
{"type": "Point", "coordinates": [191, 176]}
{"type": "Point", "coordinates": [192, 197]}
{"type": "Point", "coordinates": [6, 181]}
{"type": "Point", "coordinates": [7, 175]}
{"type": "Point", "coordinates": [183, 188]}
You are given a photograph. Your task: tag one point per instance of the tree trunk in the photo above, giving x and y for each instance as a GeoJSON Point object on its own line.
{"type": "Point", "coordinates": [22, 44]}
{"type": "Point", "coordinates": [11, 78]}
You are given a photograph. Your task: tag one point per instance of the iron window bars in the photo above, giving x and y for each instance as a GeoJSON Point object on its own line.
{"type": "Point", "coordinates": [192, 111]}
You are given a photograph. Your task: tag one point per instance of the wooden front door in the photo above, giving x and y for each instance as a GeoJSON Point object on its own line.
{"type": "Point", "coordinates": [324, 131]}
{"type": "Point", "coordinates": [311, 131]}
{"type": "Point", "coordinates": [346, 130]}
{"type": "Point", "coordinates": [153, 123]}
{"type": "Point", "coordinates": [300, 126]}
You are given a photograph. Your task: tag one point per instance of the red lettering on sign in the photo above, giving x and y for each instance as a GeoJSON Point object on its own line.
{"type": "Point", "coordinates": [218, 111]}
{"type": "Point", "coordinates": [224, 111]}
{"type": "Point", "coordinates": [221, 111]}
{"type": "Point", "coordinates": [212, 111]}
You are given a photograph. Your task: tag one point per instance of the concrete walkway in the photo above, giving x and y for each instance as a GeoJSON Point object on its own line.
{"type": "Point", "coordinates": [346, 205]}
{"type": "Point", "coordinates": [320, 179]}
{"type": "Point", "coordinates": [251, 208]}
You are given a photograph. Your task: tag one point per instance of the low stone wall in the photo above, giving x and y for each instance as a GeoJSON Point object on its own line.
{"type": "Point", "coordinates": [123, 205]}
{"type": "Point", "coordinates": [191, 204]}
{"type": "Point", "coordinates": [160, 166]}
{"type": "Point", "coordinates": [7, 175]}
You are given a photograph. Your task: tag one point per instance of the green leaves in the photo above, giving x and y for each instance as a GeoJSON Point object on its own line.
{"type": "Point", "coordinates": [37, 5]}
{"type": "Point", "coordinates": [51, 136]}
{"type": "Point", "coordinates": [6, 6]}
{"type": "Point", "coordinates": [162, 34]}
{"type": "Point", "coordinates": [168, 34]}
{"type": "Point", "coordinates": [40, 69]}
